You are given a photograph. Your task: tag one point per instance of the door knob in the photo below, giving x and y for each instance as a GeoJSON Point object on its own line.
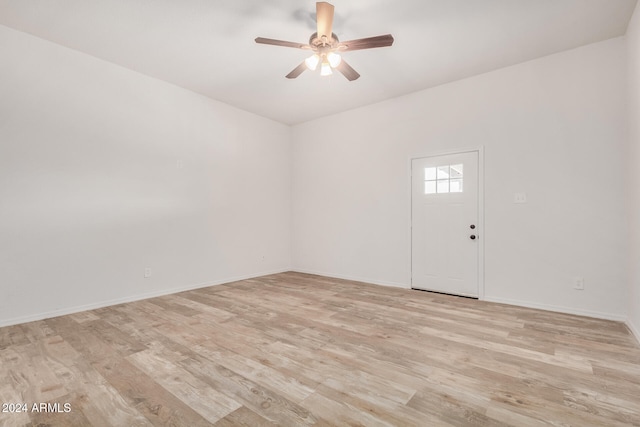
{"type": "Point", "coordinates": [473, 237]}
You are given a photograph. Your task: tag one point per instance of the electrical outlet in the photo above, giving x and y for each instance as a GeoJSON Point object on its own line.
{"type": "Point", "coordinates": [147, 272]}
{"type": "Point", "coordinates": [578, 283]}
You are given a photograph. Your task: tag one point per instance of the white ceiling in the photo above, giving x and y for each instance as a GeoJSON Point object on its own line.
{"type": "Point", "coordinates": [208, 46]}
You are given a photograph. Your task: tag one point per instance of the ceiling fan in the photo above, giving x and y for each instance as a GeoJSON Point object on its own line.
{"type": "Point", "coordinates": [325, 46]}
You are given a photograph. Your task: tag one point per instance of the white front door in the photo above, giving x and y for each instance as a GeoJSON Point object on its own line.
{"type": "Point", "coordinates": [444, 224]}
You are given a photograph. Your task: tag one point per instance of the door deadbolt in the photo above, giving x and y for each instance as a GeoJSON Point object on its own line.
{"type": "Point", "coordinates": [472, 226]}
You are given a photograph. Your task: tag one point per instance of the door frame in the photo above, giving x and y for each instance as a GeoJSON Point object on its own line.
{"type": "Point", "coordinates": [480, 226]}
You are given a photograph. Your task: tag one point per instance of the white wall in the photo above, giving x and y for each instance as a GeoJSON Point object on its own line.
{"type": "Point", "coordinates": [553, 128]}
{"type": "Point", "coordinates": [633, 49]}
{"type": "Point", "coordinates": [91, 192]}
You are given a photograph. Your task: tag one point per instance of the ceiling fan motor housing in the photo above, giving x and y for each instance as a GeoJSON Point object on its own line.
{"type": "Point", "coordinates": [316, 42]}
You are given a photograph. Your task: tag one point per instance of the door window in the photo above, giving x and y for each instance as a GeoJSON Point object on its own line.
{"type": "Point", "coordinates": [443, 179]}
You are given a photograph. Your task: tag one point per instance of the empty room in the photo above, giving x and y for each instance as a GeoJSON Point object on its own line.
{"type": "Point", "coordinates": [299, 213]}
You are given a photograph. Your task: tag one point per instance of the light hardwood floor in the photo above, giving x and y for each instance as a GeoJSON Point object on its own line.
{"type": "Point", "coordinates": [300, 350]}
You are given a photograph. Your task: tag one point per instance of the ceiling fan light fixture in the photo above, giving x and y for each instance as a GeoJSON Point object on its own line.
{"type": "Point", "coordinates": [312, 62]}
{"type": "Point", "coordinates": [325, 69]}
{"type": "Point", "coordinates": [324, 45]}
{"type": "Point", "coordinates": [334, 59]}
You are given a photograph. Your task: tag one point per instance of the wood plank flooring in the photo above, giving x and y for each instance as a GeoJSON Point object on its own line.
{"type": "Point", "coordinates": [299, 350]}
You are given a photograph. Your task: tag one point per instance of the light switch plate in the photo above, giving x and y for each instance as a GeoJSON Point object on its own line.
{"type": "Point", "coordinates": [520, 198]}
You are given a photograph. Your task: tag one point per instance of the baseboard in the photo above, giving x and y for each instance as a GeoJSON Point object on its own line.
{"type": "Point", "coordinates": [558, 309]}
{"type": "Point", "coordinates": [634, 330]}
{"type": "Point", "coordinates": [352, 278]}
{"type": "Point", "coordinates": [131, 298]}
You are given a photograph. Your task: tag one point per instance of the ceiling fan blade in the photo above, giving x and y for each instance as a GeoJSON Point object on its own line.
{"type": "Point", "coordinates": [367, 43]}
{"type": "Point", "coordinates": [347, 71]}
{"type": "Point", "coordinates": [324, 19]}
{"type": "Point", "coordinates": [275, 42]}
{"type": "Point", "coordinates": [297, 71]}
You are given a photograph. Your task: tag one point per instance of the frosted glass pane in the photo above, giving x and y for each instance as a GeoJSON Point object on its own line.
{"type": "Point", "coordinates": [443, 186]}
{"type": "Point", "coordinates": [429, 187]}
{"type": "Point", "coordinates": [429, 173]}
{"type": "Point", "coordinates": [456, 171]}
{"type": "Point", "coordinates": [456, 186]}
{"type": "Point", "coordinates": [443, 172]}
